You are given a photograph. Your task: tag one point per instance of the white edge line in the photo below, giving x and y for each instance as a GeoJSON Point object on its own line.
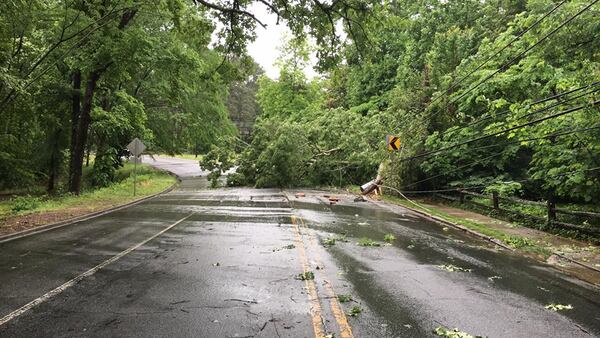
{"type": "Point", "coordinates": [16, 313]}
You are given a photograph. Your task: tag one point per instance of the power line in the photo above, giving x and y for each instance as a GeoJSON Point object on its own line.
{"type": "Point", "coordinates": [485, 186]}
{"type": "Point", "coordinates": [510, 62]}
{"type": "Point", "coordinates": [568, 111]}
{"type": "Point", "coordinates": [502, 67]}
{"type": "Point", "coordinates": [556, 96]}
{"type": "Point", "coordinates": [457, 82]}
{"type": "Point", "coordinates": [556, 134]}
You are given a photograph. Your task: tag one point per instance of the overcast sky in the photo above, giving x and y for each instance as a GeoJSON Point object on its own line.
{"type": "Point", "coordinates": [265, 49]}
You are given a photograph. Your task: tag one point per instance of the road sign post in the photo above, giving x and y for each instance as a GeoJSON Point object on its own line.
{"type": "Point", "coordinates": [136, 147]}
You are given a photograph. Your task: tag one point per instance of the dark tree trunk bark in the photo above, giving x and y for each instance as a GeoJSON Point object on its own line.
{"type": "Point", "coordinates": [85, 118]}
{"type": "Point", "coordinates": [53, 165]}
{"type": "Point", "coordinates": [87, 155]}
{"type": "Point", "coordinates": [82, 131]}
{"type": "Point", "coordinates": [75, 113]}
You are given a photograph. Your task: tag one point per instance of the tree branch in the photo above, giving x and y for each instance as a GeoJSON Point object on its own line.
{"type": "Point", "coordinates": [229, 11]}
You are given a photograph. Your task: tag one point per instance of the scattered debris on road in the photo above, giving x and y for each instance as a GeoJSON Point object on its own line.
{"type": "Point", "coordinates": [360, 199]}
{"type": "Point", "coordinates": [288, 247]}
{"type": "Point", "coordinates": [367, 242]}
{"type": "Point", "coordinates": [454, 333]}
{"type": "Point", "coordinates": [308, 275]}
{"type": "Point", "coordinates": [389, 238]}
{"type": "Point", "coordinates": [344, 298]}
{"type": "Point", "coordinates": [250, 301]}
{"type": "Point", "coordinates": [355, 311]}
{"type": "Point", "coordinates": [329, 241]}
{"type": "Point", "coordinates": [453, 268]}
{"type": "Point", "coordinates": [558, 307]}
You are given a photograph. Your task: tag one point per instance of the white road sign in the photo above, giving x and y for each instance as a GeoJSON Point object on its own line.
{"type": "Point", "coordinates": [136, 147]}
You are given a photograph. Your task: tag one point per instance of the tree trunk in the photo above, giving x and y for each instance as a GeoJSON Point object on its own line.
{"type": "Point", "coordinates": [87, 155]}
{"type": "Point", "coordinates": [75, 113]}
{"type": "Point", "coordinates": [81, 136]}
{"type": "Point", "coordinates": [54, 163]}
{"type": "Point", "coordinates": [83, 123]}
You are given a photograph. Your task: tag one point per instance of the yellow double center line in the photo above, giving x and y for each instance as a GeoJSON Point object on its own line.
{"type": "Point", "coordinates": [316, 311]}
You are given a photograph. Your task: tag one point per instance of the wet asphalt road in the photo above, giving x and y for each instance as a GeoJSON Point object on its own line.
{"type": "Point", "coordinates": [224, 263]}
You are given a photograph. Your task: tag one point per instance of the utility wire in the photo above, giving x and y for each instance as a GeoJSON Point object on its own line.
{"type": "Point", "coordinates": [502, 67]}
{"type": "Point", "coordinates": [483, 137]}
{"type": "Point", "coordinates": [556, 96]}
{"type": "Point", "coordinates": [556, 134]}
{"type": "Point", "coordinates": [511, 61]}
{"type": "Point", "coordinates": [488, 59]}
{"type": "Point", "coordinates": [485, 186]}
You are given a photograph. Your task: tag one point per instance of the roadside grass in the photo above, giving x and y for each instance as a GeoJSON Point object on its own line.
{"type": "Point", "coordinates": [149, 181]}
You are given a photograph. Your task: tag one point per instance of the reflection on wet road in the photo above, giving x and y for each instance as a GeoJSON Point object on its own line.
{"type": "Point", "coordinates": [265, 263]}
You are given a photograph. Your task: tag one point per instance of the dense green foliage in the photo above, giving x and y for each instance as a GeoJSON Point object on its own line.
{"type": "Point", "coordinates": [439, 74]}
{"type": "Point", "coordinates": [297, 141]}
{"type": "Point", "coordinates": [156, 79]}
{"type": "Point", "coordinates": [80, 77]}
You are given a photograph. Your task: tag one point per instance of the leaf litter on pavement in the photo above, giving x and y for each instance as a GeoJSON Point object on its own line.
{"type": "Point", "coordinates": [558, 307]}
{"type": "Point", "coordinates": [344, 298]}
{"type": "Point", "coordinates": [453, 333]}
{"type": "Point", "coordinates": [308, 275]}
{"type": "Point", "coordinates": [389, 238]}
{"type": "Point", "coordinates": [453, 268]}
{"type": "Point", "coordinates": [329, 241]}
{"type": "Point", "coordinates": [365, 241]}
{"type": "Point", "coordinates": [288, 247]}
{"type": "Point", "coordinates": [355, 311]}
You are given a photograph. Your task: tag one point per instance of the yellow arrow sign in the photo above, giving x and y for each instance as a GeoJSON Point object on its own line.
{"type": "Point", "coordinates": [393, 143]}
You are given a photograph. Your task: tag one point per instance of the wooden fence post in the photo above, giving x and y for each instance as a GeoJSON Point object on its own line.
{"type": "Point", "coordinates": [495, 201]}
{"type": "Point", "coordinates": [551, 204]}
{"type": "Point", "coordinates": [461, 197]}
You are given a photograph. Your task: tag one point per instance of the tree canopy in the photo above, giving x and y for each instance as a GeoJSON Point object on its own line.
{"type": "Point", "coordinates": [482, 94]}
{"type": "Point", "coordinates": [85, 77]}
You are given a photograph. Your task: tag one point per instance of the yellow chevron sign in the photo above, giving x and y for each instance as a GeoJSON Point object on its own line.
{"type": "Point", "coordinates": [393, 143]}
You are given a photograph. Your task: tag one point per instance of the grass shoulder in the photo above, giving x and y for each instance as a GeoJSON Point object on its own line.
{"type": "Point", "coordinates": [24, 212]}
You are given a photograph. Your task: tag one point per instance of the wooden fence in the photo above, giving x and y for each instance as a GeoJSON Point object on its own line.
{"type": "Point", "coordinates": [552, 211]}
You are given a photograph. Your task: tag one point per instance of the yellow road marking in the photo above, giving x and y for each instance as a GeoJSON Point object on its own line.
{"type": "Point", "coordinates": [315, 311]}
{"type": "Point", "coordinates": [336, 309]}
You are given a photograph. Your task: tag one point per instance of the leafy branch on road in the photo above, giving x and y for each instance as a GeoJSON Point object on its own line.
{"type": "Point", "coordinates": [308, 275]}
{"type": "Point", "coordinates": [344, 298]}
{"type": "Point", "coordinates": [355, 311]}
{"type": "Point", "coordinates": [453, 268]}
{"type": "Point", "coordinates": [558, 307]}
{"type": "Point", "coordinates": [365, 241]}
{"type": "Point", "coordinates": [453, 333]}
